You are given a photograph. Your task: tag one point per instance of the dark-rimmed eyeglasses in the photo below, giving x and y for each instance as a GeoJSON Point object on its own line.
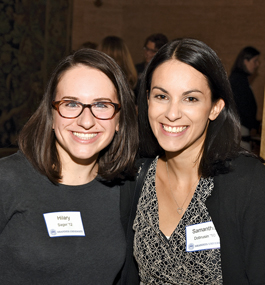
{"type": "Point", "coordinates": [71, 109]}
{"type": "Point", "coordinates": [150, 50]}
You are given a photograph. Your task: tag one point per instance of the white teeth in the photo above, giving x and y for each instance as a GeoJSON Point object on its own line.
{"type": "Point", "coordinates": [84, 136]}
{"type": "Point", "coordinates": [174, 129]}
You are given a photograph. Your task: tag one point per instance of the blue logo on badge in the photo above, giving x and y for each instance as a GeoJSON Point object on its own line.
{"type": "Point", "coordinates": [191, 246]}
{"type": "Point", "coordinates": [53, 232]}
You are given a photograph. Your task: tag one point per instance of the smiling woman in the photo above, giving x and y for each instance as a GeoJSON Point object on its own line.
{"type": "Point", "coordinates": [200, 214]}
{"type": "Point", "coordinates": [61, 218]}
{"type": "Point", "coordinates": [80, 138]}
{"type": "Point", "coordinates": [180, 107]}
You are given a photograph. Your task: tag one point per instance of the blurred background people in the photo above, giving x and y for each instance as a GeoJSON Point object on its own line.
{"type": "Point", "coordinates": [116, 48]}
{"type": "Point", "coordinates": [151, 46]}
{"type": "Point", "coordinates": [246, 65]}
{"type": "Point", "coordinates": [89, 44]}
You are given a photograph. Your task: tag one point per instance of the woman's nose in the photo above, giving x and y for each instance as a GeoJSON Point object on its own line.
{"type": "Point", "coordinates": [174, 111]}
{"type": "Point", "coordinates": [86, 119]}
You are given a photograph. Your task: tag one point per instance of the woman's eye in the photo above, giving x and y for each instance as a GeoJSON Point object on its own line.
{"type": "Point", "coordinates": [72, 104]}
{"type": "Point", "coordinates": [160, 97]}
{"type": "Point", "coordinates": [191, 99]}
{"type": "Point", "coordinates": [101, 105]}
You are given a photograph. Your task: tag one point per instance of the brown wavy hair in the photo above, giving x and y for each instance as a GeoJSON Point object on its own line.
{"type": "Point", "coordinates": [37, 139]}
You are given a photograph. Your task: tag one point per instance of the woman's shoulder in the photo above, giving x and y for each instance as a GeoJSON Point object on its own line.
{"type": "Point", "coordinates": [13, 161]}
{"type": "Point", "coordinates": [244, 170]}
{"type": "Point", "coordinates": [249, 163]}
{"type": "Point", "coordinates": [15, 167]}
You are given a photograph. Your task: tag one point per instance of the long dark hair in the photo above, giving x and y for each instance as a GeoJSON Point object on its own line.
{"type": "Point", "coordinates": [37, 139]}
{"type": "Point", "coordinates": [246, 53]}
{"type": "Point", "coordinates": [223, 134]}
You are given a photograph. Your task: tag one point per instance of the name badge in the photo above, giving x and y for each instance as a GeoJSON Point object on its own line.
{"type": "Point", "coordinates": [60, 224]}
{"type": "Point", "coordinates": [202, 237]}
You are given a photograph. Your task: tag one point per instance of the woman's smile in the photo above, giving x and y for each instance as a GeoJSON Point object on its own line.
{"type": "Point", "coordinates": [85, 136]}
{"type": "Point", "coordinates": [179, 106]}
{"type": "Point", "coordinates": [173, 129]}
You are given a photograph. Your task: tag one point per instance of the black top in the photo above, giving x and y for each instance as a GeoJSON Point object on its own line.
{"type": "Point", "coordinates": [236, 206]}
{"type": "Point", "coordinates": [244, 98]}
{"type": "Point", "coordinates": [28, 255]}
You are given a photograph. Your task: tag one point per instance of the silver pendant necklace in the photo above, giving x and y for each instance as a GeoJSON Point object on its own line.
{"type": "Point", "coordinates": [179, 209]}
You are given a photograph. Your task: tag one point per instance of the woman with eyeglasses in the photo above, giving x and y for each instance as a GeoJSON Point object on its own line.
{"type": "Point", "coordinates": [61, 221]}
{"type": "Point", "coordinates": [200, 215]}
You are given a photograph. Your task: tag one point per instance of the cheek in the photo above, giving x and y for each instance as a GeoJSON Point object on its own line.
{"type": "Point", "coordinates": [199, 116]}
{"type": "Point", "coordinates": [111, 127]}
{"type": "Point", "coordinates": [59, 123]}
{"type": "Point", "coordinates": [151, 117]}
{"type": "Point", "coordinates": [117, 126]}
{"type": "Point", "coordinates": [55, 123]}
{"type": "Point", "coordinates": [154, 123]}
{"type": "Point", "coordinates": [155, 110]}
{"type": "Point", "coordinates": [116, 122]}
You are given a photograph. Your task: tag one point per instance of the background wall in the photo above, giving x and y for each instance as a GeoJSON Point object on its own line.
{"type": "Point", "coordinates": [225, 25]}
{"type": "Point", "coordinates": [34, 36]}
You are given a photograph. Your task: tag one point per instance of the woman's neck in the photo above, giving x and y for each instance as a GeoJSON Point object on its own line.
{"type": "Point", "coordinates": [185, 165]}
{"type": "Point", "coordinates": [78, 172]}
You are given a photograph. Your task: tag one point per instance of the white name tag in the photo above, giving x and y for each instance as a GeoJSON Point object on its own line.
{"type": "Point", "coordinates": [60, 224]}
{"type": "Point", "coordinates": [202, 237]}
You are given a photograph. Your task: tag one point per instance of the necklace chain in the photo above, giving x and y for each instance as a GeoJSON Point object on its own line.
{"type": "Point", "coordinates": [179, 209]}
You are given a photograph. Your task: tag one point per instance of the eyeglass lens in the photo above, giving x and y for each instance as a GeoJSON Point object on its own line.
{"type": "Point", "coordinates": [150, 50]}
{"type": "Point", "coordinates": [101, 110]}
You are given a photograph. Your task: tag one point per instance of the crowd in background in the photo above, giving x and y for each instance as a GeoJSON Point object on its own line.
{"type": "Point", "coordinates": [243, 71]}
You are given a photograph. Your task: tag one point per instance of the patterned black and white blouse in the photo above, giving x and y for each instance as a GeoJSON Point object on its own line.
{"type": "Point", "coordinates": [165, 261]}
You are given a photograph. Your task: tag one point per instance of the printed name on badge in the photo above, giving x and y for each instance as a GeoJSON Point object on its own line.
{"type": "Point", "coordinates": [202, 237]}
{"type": "Point", "coordinates": [61, 224]}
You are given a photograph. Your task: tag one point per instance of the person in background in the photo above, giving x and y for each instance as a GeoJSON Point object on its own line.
{"type": "Point", "coordinates": [116, 48]}
{"type": "Point", "coordinates": [88, 44]}
{"type": "Point", "coordinates": [200, 215]}
{"type": "Point", "coordinates": [151, 45]}
{"type": "Point", "coordinates": [246, 65]}
{"type": "Point", "coordinates": [60, 217]}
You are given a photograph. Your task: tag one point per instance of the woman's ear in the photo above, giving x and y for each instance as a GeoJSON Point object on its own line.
{"type": "Point", "coordinates": [117, 127]}
{"type": "Point", "coordinates": [216, 109]}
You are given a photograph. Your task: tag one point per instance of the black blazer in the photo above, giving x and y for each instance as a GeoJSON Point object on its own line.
{"type": "Point", "coordinates": [237, 208]}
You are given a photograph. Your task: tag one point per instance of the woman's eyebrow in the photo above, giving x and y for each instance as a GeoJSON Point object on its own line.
{"type": "Point", "coordinates": [102, 99]}
{"type": "Point", "coordinates": [160, 88]}
{"type": "Point", "coordinates": [192, 91]}
{"type": "Point", "coordinates": [95, 99]}
{"type": "Point", "coordinates": [184, 93]}
{"type": "Point", "coordinates": [69, 97]}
